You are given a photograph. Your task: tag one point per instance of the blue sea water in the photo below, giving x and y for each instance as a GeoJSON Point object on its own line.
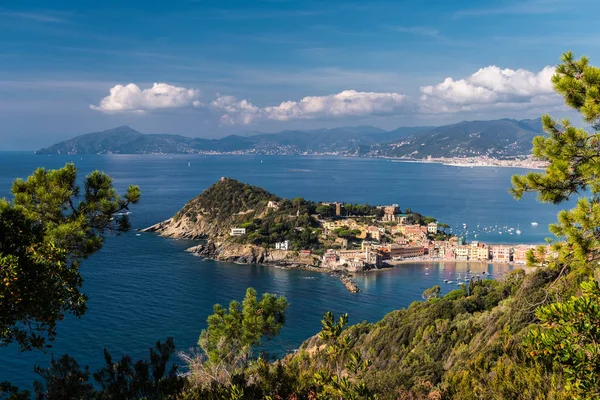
{"type": "Point", "coordinates": [145, 288]}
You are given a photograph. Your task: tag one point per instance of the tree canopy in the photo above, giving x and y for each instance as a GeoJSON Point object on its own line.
{"type": "Point", "coordinates": [234, 332]}
{"type": "Point", "coordinates": [45, 232]}
{"type": "Point", "coordinates": [569, 329]}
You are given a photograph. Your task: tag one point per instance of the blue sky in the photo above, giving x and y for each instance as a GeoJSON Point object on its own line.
{"type": "Point", "coordinates": [71, 67]}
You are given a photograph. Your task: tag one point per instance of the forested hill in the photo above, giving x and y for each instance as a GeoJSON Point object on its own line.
{"type": "Point", "coordinates": [497, 138]}
{"type": "Point", "coordinates": [265, 218]}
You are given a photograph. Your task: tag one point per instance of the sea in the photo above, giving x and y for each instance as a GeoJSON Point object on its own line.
{"type": "Point", "coordinates": [143, 288]}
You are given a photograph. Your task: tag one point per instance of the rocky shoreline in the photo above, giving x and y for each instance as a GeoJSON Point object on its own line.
{"type": "Point", "coordinates": [250, 254]}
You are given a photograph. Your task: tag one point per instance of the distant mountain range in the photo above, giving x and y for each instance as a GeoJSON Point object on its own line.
{"type": "Point", "coordinates": [498, 138]}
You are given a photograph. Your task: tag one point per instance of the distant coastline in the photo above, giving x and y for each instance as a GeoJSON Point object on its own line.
{"type": "Point", "coordinates": [472, 162]}
{"type": "Point", "coordinates": [461, 162]}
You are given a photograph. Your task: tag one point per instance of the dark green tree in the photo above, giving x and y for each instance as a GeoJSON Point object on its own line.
{"type": "Point", "coordinates": [228, 343]}
{"type": "Point", "coordinates": [573, 156]}
{"type": "Point", "coordinates": [151, 379]}
{"type": "Point", "coordinates": [64, 379]}
{"type": "Point", "coordinates": [570, 336]}
{"type": "Point", "coordinates": [341, 379]}
{"type": "Point", "coordinates": [432, 293]}
{"type": "Point", "coordinates": [569, 333]}
{"type": "Point", "coordinates": [237, 330]}
{"type": "Point", "coordinates": [48, 229]}
{"type": "Point", "coordinates": [10, 392]}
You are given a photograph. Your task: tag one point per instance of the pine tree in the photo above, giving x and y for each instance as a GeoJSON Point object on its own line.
{"type": "Point", "coordinates": [570, 330]}
{"type": "Point", "coordinates": [45, 233]}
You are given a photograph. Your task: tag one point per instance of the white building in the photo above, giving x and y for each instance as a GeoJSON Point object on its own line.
{"type": "Point", "coordinates": [237, 231]}
{"type": "Point", "coordinates": [432, 227]}
{"type": "Point", "coordinates": [285, 245]}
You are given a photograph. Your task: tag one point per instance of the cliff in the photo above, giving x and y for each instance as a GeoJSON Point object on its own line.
{"type": "Point", "coordinates": [252, 254]}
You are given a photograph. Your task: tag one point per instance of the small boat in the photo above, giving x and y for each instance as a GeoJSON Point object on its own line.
{"type": "Point", "coordinates": [189, 164]}
{"type": "Point", "coordinates": [534, 224]}
{"type": "Point", "coordinates": [518, 231]}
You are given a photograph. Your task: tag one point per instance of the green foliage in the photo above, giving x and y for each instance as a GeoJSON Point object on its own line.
{"type": "Point", "coordinates": [415, 218]}
{"type": "Point", "coordinates": [347, 233]}
{"type": "Point", "coordinates": [426, 220]}
{"type": "Point", "coordinates": [149, 379]}
{"type": "Point", "coordinates": [569, 333]}
{"type": "Point", "coordinates": [325, 210]}
{"type": "Point", "coordinates": [333, 382]}
{"type": "Point", "coordinates": [10, 392]}
{"type": "Point", "coordinates": [46, 231]}
{"type": "Point", "coordinates": [231, 204]}
{"type": "Point", "coordinates": [432, 293]}
{"type": "Point", "coordinates": [362, 210]}
{"type": "Point", "coordinates": [226, 198]}
{"type": "Point", "coordinates": [455, 346]}
{"type": "Point", "coordinates": [573, 169]}
{"type": "Point", "coordinates": [232, 333]}
{"type": "Point", "coordinates": [64, 379]}
{"type": "Point", "coordinates": [570, 336]}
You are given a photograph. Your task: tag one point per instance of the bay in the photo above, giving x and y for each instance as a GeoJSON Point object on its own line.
{"type": "Point", "coordinates": [145, 288]}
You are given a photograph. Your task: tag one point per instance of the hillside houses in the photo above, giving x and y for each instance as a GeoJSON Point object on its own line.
{"type": "Point", "coordinates": [359, 242]}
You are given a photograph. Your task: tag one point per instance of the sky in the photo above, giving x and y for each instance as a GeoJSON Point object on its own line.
{"type": "Point", "coordinates": [209, 68]}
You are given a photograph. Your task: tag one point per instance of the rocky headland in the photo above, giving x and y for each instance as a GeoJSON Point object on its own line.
{"type": "Point", "coordinates": [228, 204]}
{"type": "Point", "coordinates": [252, 254]}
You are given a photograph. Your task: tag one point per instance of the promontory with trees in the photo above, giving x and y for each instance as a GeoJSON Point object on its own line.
{"type": "Point", "coordinates": [244, 223]}
{"type": "Point", "coordinates": [525, 336]}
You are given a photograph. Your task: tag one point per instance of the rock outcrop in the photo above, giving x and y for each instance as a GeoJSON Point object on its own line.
{"type": "Point", "coordinates": [251, 254]}
{"type": "Point", "coordinates": [183, 228]}
{"type": "Point", "coordinates": [350, 284]}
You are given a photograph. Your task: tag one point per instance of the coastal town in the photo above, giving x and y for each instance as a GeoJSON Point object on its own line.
{"type": "Point", "coordinates": [362, 243]}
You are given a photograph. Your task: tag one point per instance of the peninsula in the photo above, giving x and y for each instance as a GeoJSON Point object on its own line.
{"type": "Point", "coordinates": [246, 224]}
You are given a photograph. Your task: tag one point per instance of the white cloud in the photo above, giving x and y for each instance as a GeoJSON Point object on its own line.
{"type": "Point", "coordinates": [130, 98]}
{"type": "Point", "coordinates": [490, 88]}
{"type": "Point", "coordinates": [348, 103]}
{"type": "Point", "coordinates": [235, 111]}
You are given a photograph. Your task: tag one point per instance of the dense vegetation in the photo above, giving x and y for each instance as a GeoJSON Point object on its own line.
{"type": "Point", "coordinates": [50, 226]}
{"type": "Point", "coordinates": [232, 204]}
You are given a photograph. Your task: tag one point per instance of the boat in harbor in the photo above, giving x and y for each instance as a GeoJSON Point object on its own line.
{"type": "Point", "coordinates": [534, 224]}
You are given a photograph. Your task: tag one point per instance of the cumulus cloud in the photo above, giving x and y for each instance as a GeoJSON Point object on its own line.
{"type": "Point", "coordinates": [348, 103]}
{"type": "Point", "coordinates": [235, 111]}
{"type": "Point", "coordinates": [131, 98]}
{"type": "Point", "coordinates": [490, 88]}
